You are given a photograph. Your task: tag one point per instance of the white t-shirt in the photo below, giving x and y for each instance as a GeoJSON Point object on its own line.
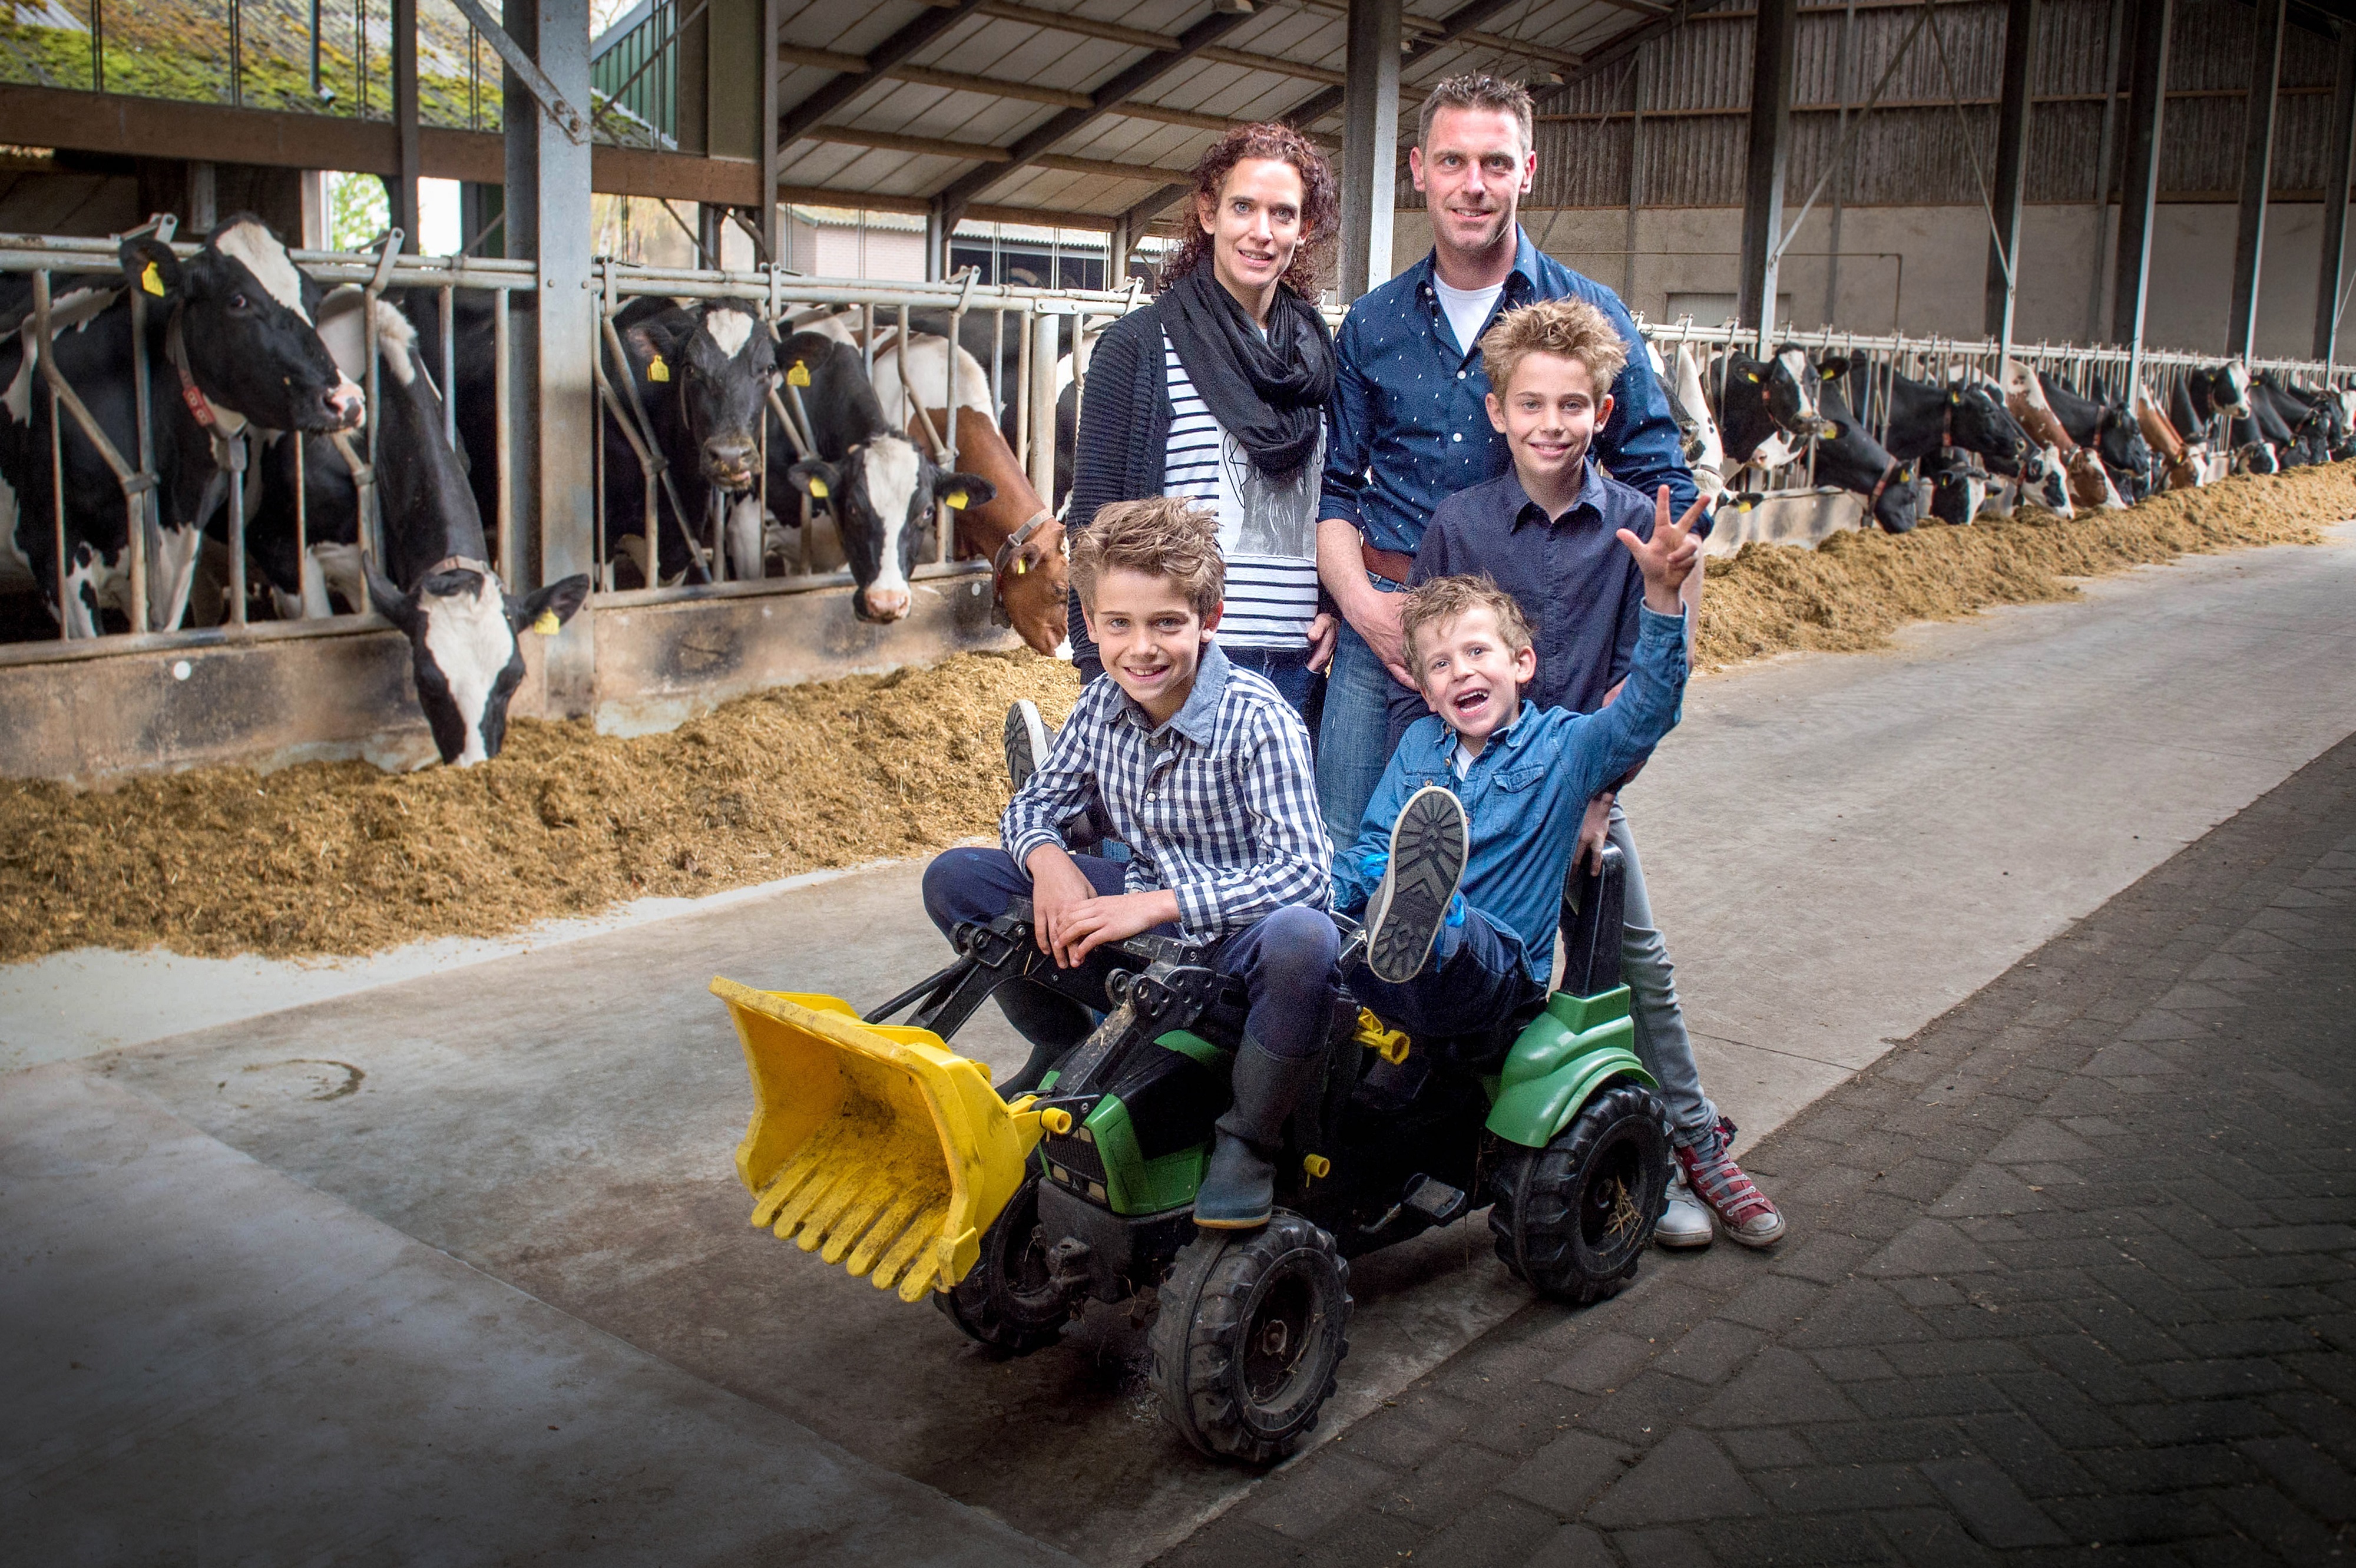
{"type": "Point", "coordinates": [1268, 528]}
{"type": "Point", "coordinates": [1466, 308]}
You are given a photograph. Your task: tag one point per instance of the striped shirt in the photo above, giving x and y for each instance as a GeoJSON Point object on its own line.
{"type": "Point", "coordinates": [1268, 528]}
{"type": "Point", "coordinates": [1219, 805]}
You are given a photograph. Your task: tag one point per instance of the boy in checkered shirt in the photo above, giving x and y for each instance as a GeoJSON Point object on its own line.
{"type": "Point", "coordinates": [1203, 771]}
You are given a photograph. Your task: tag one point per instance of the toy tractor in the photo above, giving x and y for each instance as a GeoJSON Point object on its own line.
{"type": "Point", "coordinates": [880, 1148]}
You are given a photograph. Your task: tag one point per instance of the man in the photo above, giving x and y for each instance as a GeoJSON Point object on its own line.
{"type": "Point", "coordinates": [1408, 426]}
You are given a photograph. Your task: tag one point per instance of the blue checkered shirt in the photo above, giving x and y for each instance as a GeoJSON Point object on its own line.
{"type": "Point", "coordinates": [1219, 805]}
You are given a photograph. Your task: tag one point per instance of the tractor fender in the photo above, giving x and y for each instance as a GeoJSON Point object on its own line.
{"type": "Point", "coordinates": [1574, 1047]}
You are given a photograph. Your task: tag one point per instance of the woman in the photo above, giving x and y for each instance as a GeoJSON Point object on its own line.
{"type": "Point", "coordinates": [1216, 391]}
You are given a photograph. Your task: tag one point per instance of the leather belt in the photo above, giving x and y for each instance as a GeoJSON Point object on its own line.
{"type": "Point", "coordinates": [1391, 566]}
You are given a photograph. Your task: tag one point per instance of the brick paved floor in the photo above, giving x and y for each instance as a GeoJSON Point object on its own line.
{"type": "Point", "coordinates": [2074, 1265]}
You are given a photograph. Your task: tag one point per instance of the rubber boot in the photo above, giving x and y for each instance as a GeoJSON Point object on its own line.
{"type": "Point", "coordinates": [1238, 1187]}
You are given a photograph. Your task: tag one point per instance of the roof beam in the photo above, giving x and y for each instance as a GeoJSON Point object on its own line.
{"type": "Point", "coordinates": [1416, 26]}
{"type": "Point", "coordinates": [892, 142]}
{"type": "Point", "coordinates": [997, 87]}
{"type": "Point", "coordinates": [1124, 86]}
{"type": "Point", "coordinates": [1107, 169]}
{"type": "Point", "coordinates": [1086, 26]}
{"type": "Point", "coordinates": [1452, 28]}
{"type": "Point", "coordinates": [893, 50]}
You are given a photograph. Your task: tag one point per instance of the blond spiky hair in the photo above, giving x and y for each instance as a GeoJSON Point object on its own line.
{"type": "Point", "coordinates": [1568, 328]}
{"type": "Point", "coordinates": [1163, 536]}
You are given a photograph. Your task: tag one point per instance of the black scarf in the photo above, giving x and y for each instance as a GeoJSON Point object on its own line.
{"type": "Point", "coordinates": [1268, 392]}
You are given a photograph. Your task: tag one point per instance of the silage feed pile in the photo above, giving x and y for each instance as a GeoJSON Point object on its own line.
{"type": "Point", "coordinates": [1856, 589]}
{"type": "Point", "coordinates": [331, 859]}
{"type": "Point", "coordinates": [338, 858]}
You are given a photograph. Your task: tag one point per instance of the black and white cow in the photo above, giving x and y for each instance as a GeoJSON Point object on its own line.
{"type": "Point", "coordinates": [1851, 458]}
{"type": "Point", "coordinates": [1959, 485]}
{"type": "Point", "coordinates": [229, 341]}
{"type": "Point", "coordinates": [2107, 428]}
{"type": "Point", "coordinates": [440, 592]}
{"type": "Point", "coordinates": [705, 373]}
{"type": "Point", "coordinates": [1923, 418]}
{"type": "Point", "coordinates": [879, 485]}
{"type": "Point", "coordinates": [1759, 398]}
{"type": "Point", "coordinates": [2312, 421]}
{"type": "Point", "coordinates": [2217, 399]}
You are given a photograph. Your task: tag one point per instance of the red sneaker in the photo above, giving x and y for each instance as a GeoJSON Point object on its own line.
{"type": "Point", "coordinates": [1722, 1188]}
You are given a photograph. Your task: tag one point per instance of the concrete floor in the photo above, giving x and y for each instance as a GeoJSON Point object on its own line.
{"type": "Point", "coordinates": [1839, 849]}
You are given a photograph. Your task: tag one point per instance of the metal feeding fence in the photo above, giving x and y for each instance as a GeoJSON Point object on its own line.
{"type": "Point", "coordinates": [2101, 372]}
{"type": "Point", "coordinates": [1038, 341]}
{"type": "Point", "coordinates": [87, 262]}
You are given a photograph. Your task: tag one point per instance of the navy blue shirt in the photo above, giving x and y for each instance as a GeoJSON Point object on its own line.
{"type": "Point", "coordinates": [1578, 586]}
{"type": "Point", "coordinates": [1408, 426]}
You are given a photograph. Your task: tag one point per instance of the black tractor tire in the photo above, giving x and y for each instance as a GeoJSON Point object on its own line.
{"type": "Point", "coordinates": [1572, 1220]}
{"type": "Point", "coordinates": [1252, 1325]}
{"type": "Point", "coordinates": [1008, 1301]}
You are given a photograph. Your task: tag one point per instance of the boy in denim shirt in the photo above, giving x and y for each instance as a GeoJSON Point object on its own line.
{"type": "Point", "coordinates": [1464, 848]}
{"type": "Point", "coordinates": [1545, 533]}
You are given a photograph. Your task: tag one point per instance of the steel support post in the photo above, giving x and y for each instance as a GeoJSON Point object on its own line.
{"type": "Point", "coordinates": [2334, 199]}
{"type": "Point", "coordinates": [548, 222]}
{"type": "Point", "coordinates": [2139, 186]}
{"type": "Point", "coordinates": [1771, 51]}
{"type": "Point", "coordinates": [2257, 174]}
{"type": "Point", "coordinates": [2011, 148]}
{"type": "Point", "coordinates": [408, 156]}
{"type": "Point", "coordinates": [773, 223]}
{"type": "Point", "coordinates": [1369, 146]}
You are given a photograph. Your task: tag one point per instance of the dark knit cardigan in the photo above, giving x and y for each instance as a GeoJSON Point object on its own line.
{"type": "Point", "coordinates": [1124, 436]}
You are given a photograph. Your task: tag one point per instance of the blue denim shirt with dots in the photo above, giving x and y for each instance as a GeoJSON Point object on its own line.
{"type": "Point", "coordinates": [1408, 425]}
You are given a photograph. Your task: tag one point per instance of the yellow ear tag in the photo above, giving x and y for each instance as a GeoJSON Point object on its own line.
{"type": "Point", "coordinates": [152, 280]}
{"type": "Point", "coordinates": [1022, 564]}
{"type": "Point", "coordinates": [1750, 375]}
{"type": "Point", "coordinates": [656, 371]}
{"type": "Point", "coordinates": [548, 625]}
{"type": "Point", "coordinates": [818, 490]}
{"type": "Point", "coordinates": [799, 376]}
{"type": "Point", "coordinates": [954, 501]}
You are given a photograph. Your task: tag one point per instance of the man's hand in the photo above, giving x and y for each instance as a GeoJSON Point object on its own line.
{"type": "Point", "coordinates": [1092, 922]}
{"type": "Point", "coordinates": [1593, 829]}
{"type": "Point", "coordinates": [1667, 558]}
{"type": "Point", "coordinates": [1376, 618]}
{"type": "Point", "coordinates": [1058, 886]}
{"type": "Point", "coordinates": [1323, 631]}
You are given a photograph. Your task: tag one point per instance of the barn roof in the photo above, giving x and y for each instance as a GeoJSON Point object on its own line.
{"type": "Point", "coordinates": [1097, 107]}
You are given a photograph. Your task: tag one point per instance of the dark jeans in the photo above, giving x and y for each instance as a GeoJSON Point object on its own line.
{"type": "Point", "coordinates": [1473, 982]}
{"type": "Point", "coordinates": [1286, 669]}
{"type": "Point", "coordinates": [1286, 960]}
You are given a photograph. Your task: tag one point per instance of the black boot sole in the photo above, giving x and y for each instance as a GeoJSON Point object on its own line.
{"type": "Point", "coordinates": [1428, 845]}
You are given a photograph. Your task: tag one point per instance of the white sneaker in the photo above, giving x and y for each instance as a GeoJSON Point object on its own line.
{"type": "Point", "coordinates": [1026, 741]}
{"type": "Point", "coordinates": [1685, 1223]}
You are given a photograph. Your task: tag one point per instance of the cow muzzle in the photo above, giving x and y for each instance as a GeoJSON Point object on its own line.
{"type": "Point", "coordinates": [728, 463]}
{"type": "Point", "coordinates": [886, 603]}
{"type": "Point", "coordinates": [345, 405]}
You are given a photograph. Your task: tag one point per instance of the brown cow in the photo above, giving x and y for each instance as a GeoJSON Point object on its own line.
{"type": "Point", "coordinates": [2090, 484]}
{"type": "Point", "coordinates": [2183, 465]}
{"type": "Point", "coordinates": [1016, 533]}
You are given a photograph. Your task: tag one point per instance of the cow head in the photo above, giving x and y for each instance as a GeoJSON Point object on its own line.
{"type": "Point", "coordinates": [721, 363]}
{"type": "Point", "coordinates": [880, 495]}
{"type": "Point", "coordinates": [1978, 422]}
{"type": "Point", "coordinates": [1787, 386]}
{"type": "Point", "coordinates": [463, 635]}
{"type": "Point", "coordinates": [2229, 389]}
{"type": "Point", "coordinates": [244, 317]}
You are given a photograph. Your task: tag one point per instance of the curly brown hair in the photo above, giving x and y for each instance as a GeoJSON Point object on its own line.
{"type": "Point", "coordinates": [1320, 200]}
{"type": "Point", "coordinates": [1568, 329]}
{"type": "Point", "coordinates": [1443, 599]}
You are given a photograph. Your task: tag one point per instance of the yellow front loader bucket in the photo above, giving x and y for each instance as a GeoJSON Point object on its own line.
{"type": "Point", "coordinates": [875, 1146]}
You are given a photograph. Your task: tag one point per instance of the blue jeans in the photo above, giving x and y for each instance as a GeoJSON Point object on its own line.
{"type": "Point", "coordinates": [1475, 982]}
{"type": "Point", "coordinates": [1286, 960]}
{"type": "Point", "coordinates": [1354, 736]}
{"type": "Point", "coordinates": [1661, 1038]}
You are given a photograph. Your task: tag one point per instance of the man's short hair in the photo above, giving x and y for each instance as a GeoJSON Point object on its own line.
{"type": "Point", "coordinates": [1162, 536]}
{"type": "Point", "coordinates": [1568, 328]}
{"type": "Point", "coordinates": [1445, 599]}
{"type": "Point", "coordinates": [1476, 90]}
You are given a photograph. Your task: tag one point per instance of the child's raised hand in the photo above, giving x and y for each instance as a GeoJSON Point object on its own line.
{"type": "Point", "coordinates": [1667, 558]}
